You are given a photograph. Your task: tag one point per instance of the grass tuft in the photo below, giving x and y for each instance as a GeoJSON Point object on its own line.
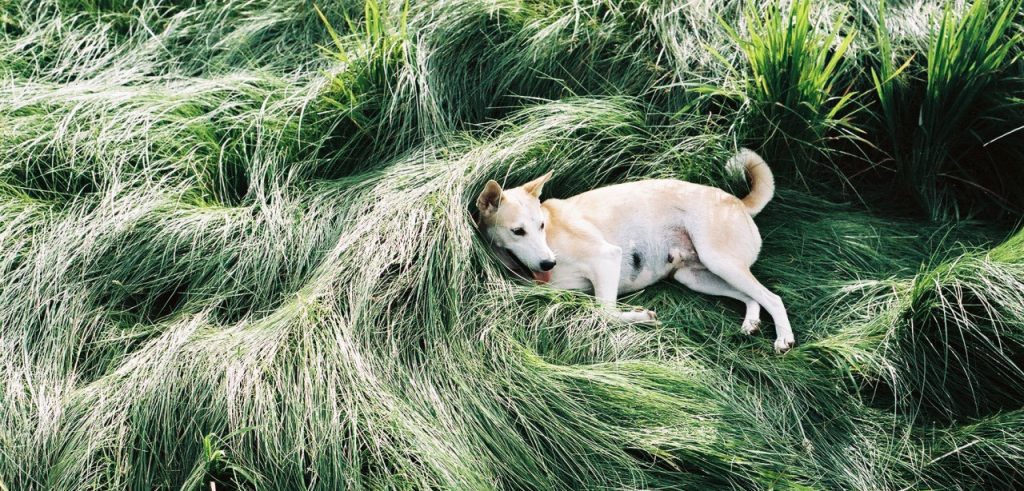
{"type": "Point", "coordinates": [949, 114]}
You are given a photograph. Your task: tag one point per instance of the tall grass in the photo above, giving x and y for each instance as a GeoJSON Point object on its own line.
{"type": "Point", "coordinates": [237, 248]}
{"type": "Point", "coordinates": [942, 114]}
{"type": "Point", "coordinates": [797, 85]}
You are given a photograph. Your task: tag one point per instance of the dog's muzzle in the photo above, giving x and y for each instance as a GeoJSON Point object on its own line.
{"type": "Point", "coordinates": [538, 276]}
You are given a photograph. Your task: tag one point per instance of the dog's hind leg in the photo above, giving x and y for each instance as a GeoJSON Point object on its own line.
{"type": "Point", "coordinates": [727, 243]}
{"type": "Point", "coordinates": [739, 276]}
{"type": "Point", "coordinates": [701, 280]}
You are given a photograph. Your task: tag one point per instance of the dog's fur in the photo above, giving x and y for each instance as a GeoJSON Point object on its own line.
{"type": "Point", "coordinates": [625, 237]}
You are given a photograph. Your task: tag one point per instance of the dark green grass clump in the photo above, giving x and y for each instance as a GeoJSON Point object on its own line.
{"type": "Point", "coordinates": [237, 248]}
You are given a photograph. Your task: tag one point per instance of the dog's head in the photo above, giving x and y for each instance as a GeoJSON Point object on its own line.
{"type": "Point", "coordinates": [513, 221]}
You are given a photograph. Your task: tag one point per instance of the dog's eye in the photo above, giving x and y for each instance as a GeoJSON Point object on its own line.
{"type": "Point", "coordinates": [542, 225]}
{"type": "Point", "coordinates": [519, 231]}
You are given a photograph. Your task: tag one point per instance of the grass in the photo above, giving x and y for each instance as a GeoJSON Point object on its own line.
{"type": "Point", "coordinates": [941, 115]}
{"type": "Point", "coordinates": [237, 249]}
{"type": "Point", "coordinates": [795, 81]}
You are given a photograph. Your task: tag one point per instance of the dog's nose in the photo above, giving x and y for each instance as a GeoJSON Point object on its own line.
{"type": "Point", "coordinates": [547, 265]}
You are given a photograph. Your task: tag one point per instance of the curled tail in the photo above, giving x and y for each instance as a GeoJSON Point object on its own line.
{"type": "Point", "coordinates": [762, 182]}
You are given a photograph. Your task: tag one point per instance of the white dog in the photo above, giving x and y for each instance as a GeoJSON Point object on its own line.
{"type": "Point", "coordinates": [621, 238]}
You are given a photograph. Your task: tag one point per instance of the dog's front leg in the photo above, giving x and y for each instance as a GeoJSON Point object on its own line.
{"type": "Point", "coordinates": [605, 278]}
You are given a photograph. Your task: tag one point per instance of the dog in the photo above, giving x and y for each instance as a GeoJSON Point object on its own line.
{"type": "Point", "coordinates": [624, 237]}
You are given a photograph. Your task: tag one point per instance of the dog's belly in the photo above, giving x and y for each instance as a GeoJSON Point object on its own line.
{"type": "Point", "coordinates": [630, 282]}
{"type": "Point", "coordinates": [654, 256]}
{"type": "Point", "coordinates": [644, 264]}
{"type": "Point", "coordinates": [647, 257]}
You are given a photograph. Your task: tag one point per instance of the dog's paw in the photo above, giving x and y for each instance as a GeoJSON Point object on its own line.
{"type": "Point", "coordinates": [784, 343]}
{"type": "Point", "coordinates": [751, 326]}
{"type": "Point", "coordinates": [651, 315]}
{"type": "Point", "coordinates": [640, 316]}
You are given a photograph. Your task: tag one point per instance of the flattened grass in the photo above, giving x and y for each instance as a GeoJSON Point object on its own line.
{"type": "Point", "coordinates": [233, 258]}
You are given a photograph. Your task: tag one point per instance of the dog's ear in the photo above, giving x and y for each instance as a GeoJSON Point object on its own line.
{"type": "Point", "coordinates": [535, 186]}
{"type": "Point", "coordinates": [489, 198]}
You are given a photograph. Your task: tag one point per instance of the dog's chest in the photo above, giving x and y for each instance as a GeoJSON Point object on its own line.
{"type": "Point", "coordinates": [571, 276]}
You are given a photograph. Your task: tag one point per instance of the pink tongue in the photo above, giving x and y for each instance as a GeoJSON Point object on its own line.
{"type": "Point", "coordinates": [542, 276]}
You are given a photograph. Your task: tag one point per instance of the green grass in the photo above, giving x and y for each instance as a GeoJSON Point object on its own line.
{"type": "Point", "coordinates": [942, 114]}
{"type": "Point", "coordinates": [237, 248]}
{"type": "Point", "coordinates": [795, 84]}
